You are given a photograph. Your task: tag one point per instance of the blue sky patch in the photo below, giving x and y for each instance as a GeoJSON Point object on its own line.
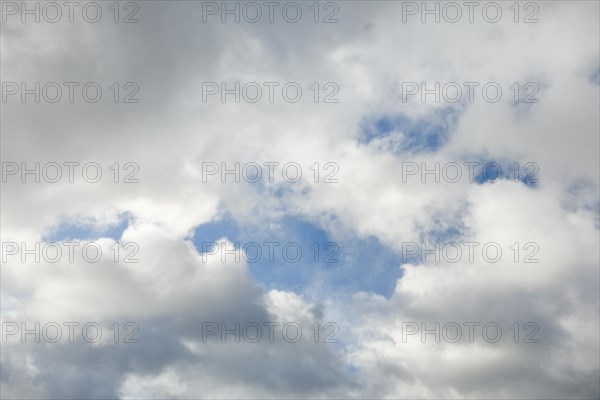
{"type": "Point", "coordinates": [322, 263]}
{"type": "Point", "coordinates": [399, 134]}
{"type": "Point", "coordinates": [492, 171]}
{"type": "Point", "coordinates": [88, 230]}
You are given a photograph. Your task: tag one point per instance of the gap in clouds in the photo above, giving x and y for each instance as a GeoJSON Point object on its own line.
{"type": "Point", "coordinates": [398, 133]}
{"type": "Point", "coordinates": [338, 266]}
{"type": "Point", "coordinates": [88, 230]}
{"type": "Point", "coordinates": [491, 171]}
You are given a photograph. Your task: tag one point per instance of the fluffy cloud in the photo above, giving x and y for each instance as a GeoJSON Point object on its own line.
{"type": "Point", "coordinates": [173, 289]}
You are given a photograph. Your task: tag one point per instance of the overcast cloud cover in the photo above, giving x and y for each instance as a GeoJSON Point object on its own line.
{"type": "Point", "coordinates": [374, 289]}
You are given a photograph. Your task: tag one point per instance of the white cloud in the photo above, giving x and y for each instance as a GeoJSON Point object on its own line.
{"type": "Point", "coordinates": [171, 132]}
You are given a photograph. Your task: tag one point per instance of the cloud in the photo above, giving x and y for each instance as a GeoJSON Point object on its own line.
{"type": "Point", "coordinates": [371, 134]}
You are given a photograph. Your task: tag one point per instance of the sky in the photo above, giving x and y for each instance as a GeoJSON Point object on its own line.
{"type": "Point", "coordinates": [311, 199]}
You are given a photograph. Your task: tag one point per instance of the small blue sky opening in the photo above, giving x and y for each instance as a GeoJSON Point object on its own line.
{"type": "Point", "coordinates": [494, 171]}
{"type": "Point", "coordinates": [399, 133]}
{"type": "Point", "coordinates": [88, 230]}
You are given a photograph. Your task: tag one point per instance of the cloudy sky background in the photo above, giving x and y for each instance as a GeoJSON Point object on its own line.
{"type": "Point", "coordinates": [369, 213]}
